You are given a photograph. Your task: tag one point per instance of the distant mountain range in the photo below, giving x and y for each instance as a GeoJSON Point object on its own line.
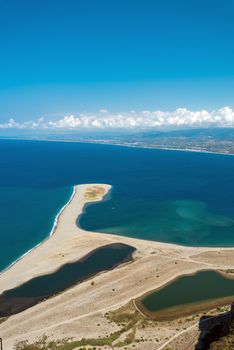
{"type": "Point", "coordinates": [214, 133]}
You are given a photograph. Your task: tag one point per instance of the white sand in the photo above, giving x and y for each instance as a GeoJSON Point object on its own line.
{"type": "Point", "coordinates": [75, 311]}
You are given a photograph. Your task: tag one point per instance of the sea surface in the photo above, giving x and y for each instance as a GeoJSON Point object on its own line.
{"type": "Point", "coordinates": [169, 196]}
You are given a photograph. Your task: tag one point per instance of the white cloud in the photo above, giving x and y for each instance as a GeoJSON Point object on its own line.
{"type": "Point", "coordinates": [146, 119]}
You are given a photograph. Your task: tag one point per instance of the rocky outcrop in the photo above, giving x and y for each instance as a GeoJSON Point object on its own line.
{"type": "Point", "coordinates": [226, 338]}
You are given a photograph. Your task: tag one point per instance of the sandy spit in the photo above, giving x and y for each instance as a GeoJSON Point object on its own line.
{"type": "Point", "coordinates": [75, 312]}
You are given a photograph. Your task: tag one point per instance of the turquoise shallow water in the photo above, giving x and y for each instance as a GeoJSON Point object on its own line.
{"type": "Point", "coordinates": [178, 197]}
{"type": "Point", "coordinates": [186, 222]}
{"type": "Point", "coordinates": [27, 217]}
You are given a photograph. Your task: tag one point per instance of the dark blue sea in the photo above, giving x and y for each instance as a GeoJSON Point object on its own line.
{"type": "Point", "coordinates": [169, 196]}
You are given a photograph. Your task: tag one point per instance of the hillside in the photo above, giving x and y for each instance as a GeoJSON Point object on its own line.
{"type": "Point", "coordinates": [226, 342]}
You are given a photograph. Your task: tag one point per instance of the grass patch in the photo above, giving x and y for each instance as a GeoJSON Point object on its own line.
{"type": "Point", "coordinates": [228, 271]}
{"type": "Point", "coordinates": [69, 344]}
{"type": "Point", "coordinates": [130, 338]}
{"type": "Point", "coordinates": [127, 317]}
{"type": "Point", "coordinates": [125, 314]}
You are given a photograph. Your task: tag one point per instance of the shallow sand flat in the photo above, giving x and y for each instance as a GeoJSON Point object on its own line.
{"type": "Point", "coordinates": [76, 312]}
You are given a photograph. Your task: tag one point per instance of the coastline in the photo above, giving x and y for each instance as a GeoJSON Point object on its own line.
{"type": "Point", "coordinates": [76, 311]}
{"type": "Point", "coordinates": [113, 238]}
{"type": "Point", "coordinates": [120, 145]}
{"type": "Point", "coordinates": [48, 237]}
{"type": "Point", "coordinates": [205, 304]}
{"type": "Point", "coordinates": [58, 216]}
{"type": "Point", "coordinates": [146, 147]}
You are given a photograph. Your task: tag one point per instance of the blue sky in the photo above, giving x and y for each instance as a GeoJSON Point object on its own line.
{"type": "Point", "coordinates": [62, 57]}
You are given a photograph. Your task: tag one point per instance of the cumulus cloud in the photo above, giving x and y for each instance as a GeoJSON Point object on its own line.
{"type": "Point", "coordinates": [146, 119]}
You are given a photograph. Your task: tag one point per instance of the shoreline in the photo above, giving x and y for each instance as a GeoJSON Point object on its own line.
{"type": "Point", "coordinates": [220, 300]}
{"type": "Point", "coordinates": [111, 235]}
{"type": "Point", "coordinates": [153, 265]}
{"type": "Point", "coordinates": [52, 232]}
{"type": "Point", "coordinates": [120, 145]}
{"type": "Point", "coordinates": [13, 306]}
{"type": "Point", "coordinates": [55, 224]}
{"type": "Point", "coordinates": [184, 310]}
{"type": "Point", "coordinates": [144, 147]}
{"type": "Point", "coordinates": [56, 221]}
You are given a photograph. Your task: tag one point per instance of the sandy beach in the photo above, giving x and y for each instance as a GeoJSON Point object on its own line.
{"type": "Point", "coordinates": [79, 312]}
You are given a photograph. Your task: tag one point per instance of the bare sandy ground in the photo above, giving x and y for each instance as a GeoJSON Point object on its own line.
{"type": "Point", "coordinates": [79, 311]}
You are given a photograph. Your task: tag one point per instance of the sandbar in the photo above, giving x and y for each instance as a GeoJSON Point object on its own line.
{"type": "Point", "coordinates": [76, 312]}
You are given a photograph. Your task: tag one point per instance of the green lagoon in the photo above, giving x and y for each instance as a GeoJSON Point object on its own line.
{"type": "Point", "coordinates": [189, 293]}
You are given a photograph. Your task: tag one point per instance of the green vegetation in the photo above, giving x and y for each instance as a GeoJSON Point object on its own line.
{"type": "Point", "coordinates": [215, 140]}
{"type": "Point", "coordinates": [125, 314]}
{"type": "Point", "coordinates": [130, 338]}
{"type": "Point", "coordinates": [127, 318]}
{"type": "Point", "coordinates": [69, 344]}
{"type": "Point", "coordinates": [231, 271]}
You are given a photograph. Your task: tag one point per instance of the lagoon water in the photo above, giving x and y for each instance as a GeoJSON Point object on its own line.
{"type": "Point", "coordinates": [204, 286]}
{"type": "Point", "coordinates": [169, 196]}
{"type": "Point", "coordinates": [42, 287]}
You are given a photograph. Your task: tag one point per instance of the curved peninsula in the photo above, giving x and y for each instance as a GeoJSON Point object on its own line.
{"type": "Point", "coordinates": [76, 312]}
